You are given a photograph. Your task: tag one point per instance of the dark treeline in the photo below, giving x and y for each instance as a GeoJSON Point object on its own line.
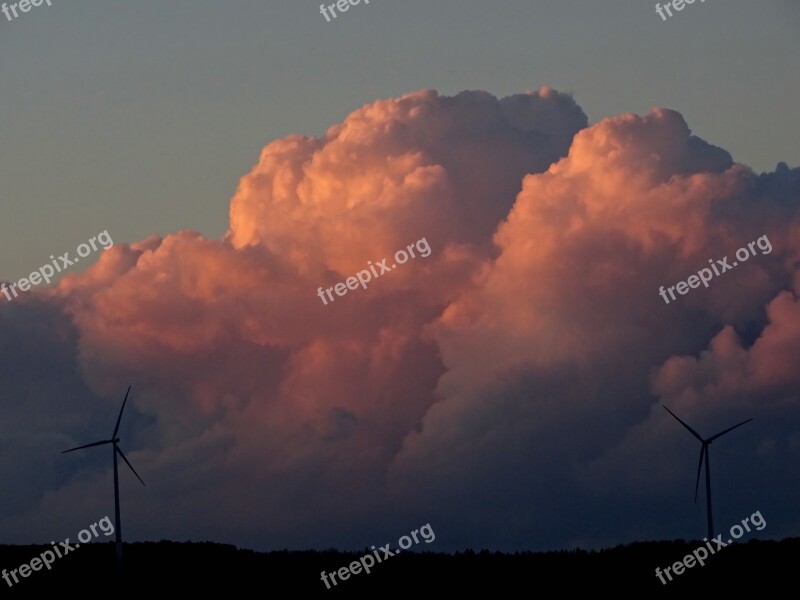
{"type": "Point", "coordinates": [184, 567]}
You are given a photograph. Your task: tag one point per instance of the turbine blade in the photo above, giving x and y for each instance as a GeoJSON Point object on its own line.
{"type": "Point", "coordinates": [119, 418]}
{"type": "Point", "coordinates": [692, 431]}
{"type": "Point", "coordinates": [721, 433]}
{"type": "Point", "coordinates": [87, 446]}
{"type": "Point", "coordinates": [699, 468]}
{"type": "Point", "coordinates": [127, 463]}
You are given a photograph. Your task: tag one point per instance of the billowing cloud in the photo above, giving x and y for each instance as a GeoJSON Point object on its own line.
{"type": "Point", "coordinates": [493, 388]}
{"type": "Point", "coordinates": [549, 359]}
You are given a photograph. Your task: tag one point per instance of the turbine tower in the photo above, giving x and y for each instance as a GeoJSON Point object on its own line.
{"type": "Point", "coordinates": [706, 442]}
{"type": "Point", "coordinates": [115, 450]}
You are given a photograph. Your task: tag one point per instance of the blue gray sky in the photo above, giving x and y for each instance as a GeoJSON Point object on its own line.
{"type": "Point", "coordinates": [139, 117]}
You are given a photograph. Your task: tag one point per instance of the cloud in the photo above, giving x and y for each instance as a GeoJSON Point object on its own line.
{"type": "Point", "coordinates": [549, 359]}
{"type": "Point", "coordinates": [493, 388]}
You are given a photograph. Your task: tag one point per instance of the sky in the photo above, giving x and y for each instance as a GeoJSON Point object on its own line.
{"type": "Point", "coordinates": [551, 164]}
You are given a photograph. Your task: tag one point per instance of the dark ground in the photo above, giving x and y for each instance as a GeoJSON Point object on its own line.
{"type": "Point", "coordinates": [768, 567]}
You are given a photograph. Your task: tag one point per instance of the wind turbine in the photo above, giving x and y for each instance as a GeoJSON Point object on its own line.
{"type": "Point", "coordinates": [113, 441]}
{"type": "Point", "coordinates": [704, 456]}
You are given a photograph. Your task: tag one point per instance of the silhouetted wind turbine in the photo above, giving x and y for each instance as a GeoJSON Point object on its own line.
{"type": "Point", "coordinates": [113, 441]}
{"type": "Point", "coordinates": [704, 455]}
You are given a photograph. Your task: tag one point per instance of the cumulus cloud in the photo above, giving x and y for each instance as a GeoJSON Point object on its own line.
{"type": "Point", "coordinates": [549, 359]}
{"type": "Point", "coordinates": [477, 388]}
